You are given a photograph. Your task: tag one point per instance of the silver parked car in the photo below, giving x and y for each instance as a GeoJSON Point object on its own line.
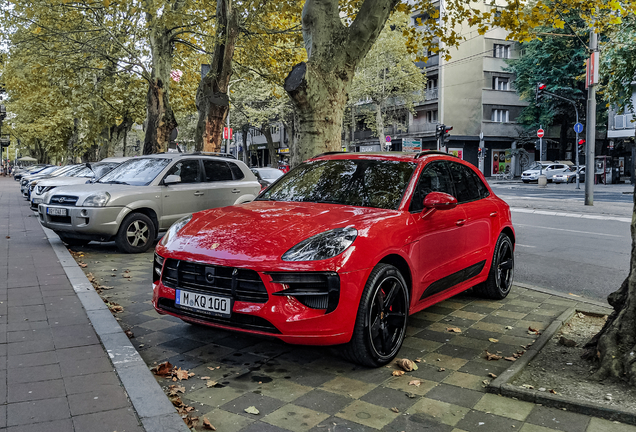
{"type": "Point", "coordinates": [549, 170]}
{"type": "Point", "coordinates": [146, 195]}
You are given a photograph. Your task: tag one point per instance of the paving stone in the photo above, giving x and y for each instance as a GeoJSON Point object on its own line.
{"type": "Point", "coordinates": [123, 420]}
{"type": "Point", "coordinates": [22, 392]}
{"type": "Point", "coordinates": [45, 410]}
{"type": "Point", "coordinates": [557, 419]}
{"type": "Point", "coordinates": [348, 387]}
{"type": "Point", "coordinates": [264, 404]}
{"type": "Point", "coordinates": [442, 412]}
{"type": "Point", "coordinates": [32, 359]}
{"type": "Point", "coordinates": [435, 336]}
{"type": "Point", "coordinates": [389, 398]}
{"type": "Point", "coordinates": [215, 397]}
{"type": "Point", "coordinates": [505, 407]}
{"type": "Point", "coordinates": [34, 373]}
{"type": "Point", "coordinates": [86, 366]}
{"type": "Point", "coordinates": [323, 401]}
{"type": "Point", "coordinates": [226, 421]}
{"type": "Point", "coordinates": [294, 417]}
{"type": "Point", "coordinates": [598, 425]}
{"type": "Point", "coordinates": [455, 395]}
{"type": "Point", "coordinates": [87, 383]}
{"type": "Point", "coordinates": [105, 398]}
{"type": "Point", "coordinates": [367, 414]}
{"type": "Point", "coordinates": [339, 424]}
{"type": "Point", "coordinates": [476, 419]}
{"type": "Point", "coordinates": [284, 390]}
{"type": "Point", "coordinates": [65, 425]}
{"type": "Point", "coordinates": [465, 380]}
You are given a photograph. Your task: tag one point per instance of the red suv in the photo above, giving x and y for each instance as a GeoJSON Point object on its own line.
{"type": "Point", "coordinates": [340, 251]}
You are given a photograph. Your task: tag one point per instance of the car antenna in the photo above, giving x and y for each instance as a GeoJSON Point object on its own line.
{"type": "Point", "coordinates": [88, 165]}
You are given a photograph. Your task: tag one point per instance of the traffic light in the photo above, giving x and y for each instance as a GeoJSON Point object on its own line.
{"type": "Point", "coordinates": [581, 146]}
{"type": "Point", "coordinates": [480, 152]}
{"type": "Point", "coordinates": [541, 88]}
{"type": "Point", "coordinates": [447, 130]}
{"type": "Point", "coordinates": [438, 130]}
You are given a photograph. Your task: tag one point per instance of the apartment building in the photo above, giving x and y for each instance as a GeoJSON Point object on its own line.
{"type": "Point", "coordinates": [470, 92]}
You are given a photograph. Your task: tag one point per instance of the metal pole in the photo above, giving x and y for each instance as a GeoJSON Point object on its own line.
{"type": "Point", "coordinates": [590, 142]}
{"type": "Point", "coordinates": [540, 153]}
{"type": "Point", "coordinates": [481, 158]}
{"type": "Point", "coordinates": [576, 147]}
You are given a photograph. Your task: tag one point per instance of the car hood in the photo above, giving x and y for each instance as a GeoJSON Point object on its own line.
{"type": "Point", "coordinates": [528, 172]}
{"type": "Point", "coordinates": [262, 231]}
{"type": "Point", "coordinates": [63, 181]}
{"type": "Point", "coordinates": [81, 191]}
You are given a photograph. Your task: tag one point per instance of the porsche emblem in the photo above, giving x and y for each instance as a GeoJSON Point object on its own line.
{"type": "Point", "coordinates": [214, 246]}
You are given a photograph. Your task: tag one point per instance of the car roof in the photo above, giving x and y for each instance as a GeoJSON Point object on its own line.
{"type": "Point", "coordinates": [395, 156]}
{"type": "Point", "coordinates": [175, 155]}
{"type": "Point", "coordinates": [115, 159]}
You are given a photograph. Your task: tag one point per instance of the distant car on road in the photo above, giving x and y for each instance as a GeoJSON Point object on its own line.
{"type": "Point", "coordinates": [549, 170]}
{"type": "Point", "coordinates": [267, 176]}
{"type": "Point", "coordinates": [144, 196]}
{"type": "Point", "coordinates": [570, 176]}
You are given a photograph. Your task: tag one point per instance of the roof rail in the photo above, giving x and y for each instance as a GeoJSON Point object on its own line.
{"type": "Point", "coordinates": [219, 154]}
{"type": "Point", "coordinates": [328, 153]}
{"type": "Point", "coordinates": [432, 152]}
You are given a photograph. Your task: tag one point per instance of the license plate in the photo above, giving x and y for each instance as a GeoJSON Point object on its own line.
{"type": "Point", "coordinates": [38, 201]}
{"type": "Point", "coordinates": [212, 305]}
{"type": "Point", "coordinates": [56, 211]}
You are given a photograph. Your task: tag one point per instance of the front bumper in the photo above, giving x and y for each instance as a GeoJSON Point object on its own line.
{"type": "Point", "coordinates": [282, 316]}
{"type": "Point", "coordinates": [94, 223]}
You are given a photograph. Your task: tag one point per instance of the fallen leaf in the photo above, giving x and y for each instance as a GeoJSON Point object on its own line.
{"type": "Point", "coordinates": [492, 375]}
{"type": "Point", "coordinates": [130, 334]}
{"type": "Point", "coordinates": [493, 340]}
{"type": "Point", "coordinates": [528, 386]}
{"type": "Point", "coordinates": [207, 425]}
{"type": "Point", "coordinates": [211, 383]}
{"type": "Point", "coordinates": [182, 374]}
{"type": "Point", "coordinates": [508, 327]}
{"type": "Point", "coordinates": [406, 365]}
{"type": "Point", "coordinates": [454, 329]}
{"type": "Point", "coordinates": [162, 369]}
{"type": "Point", "coordinates": [398, 373]}
{"type": "Point", "coordinates": [490, 356]}
{"type": "Point", "coordinates": [441, 369]}
{"type": "Point", "coordinates": [176, 401]}
{"type": "Point", "coordinates": [411, 395]}
{"type": "Point", "coordinates": [510, 358]}
{"type": "Point", "coordinates": [205, 378]}
{"type": "Point", "coordinates": [395, 410]}
{"type": "Point", "coordinates": [252, 410]}
{"type": "Point", "coordinates": [485, 382]}
{"type": "Point", "coordinates": [415, 383]}
{"type": "Point", "coordinates": [553, 391]}
{"type": "Point", "coordinates": [82, 265]}
{"type": "Point", "coordinates": [418, 360]}
{"type": "Point", "coordinates": [8, 237]}
{"type": "Point", "coordinates": [174, 389]}
{"type": "Point", "coordinates": [191, 422]}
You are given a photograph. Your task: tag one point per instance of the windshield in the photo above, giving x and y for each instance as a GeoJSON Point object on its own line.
{"type": "Point", "coordinates": [270, 174]}
{"type": "Point", "coordinates": [48, 170]}
{"type": "Point", "coordinates": [137, 172]}
{"type": "Point", "coordinates": [359, 182]}
{"type": "Point", "coordinates": [536, 166]}
{"type": "Point", "coordinates": [70, 170]}
{"type": "Point", "coordinates": [98, 169]}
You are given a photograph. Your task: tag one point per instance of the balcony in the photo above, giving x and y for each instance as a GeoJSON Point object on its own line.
{"type": "Point", "coordinates": [623, 126]}
{"type": "Point", "coordinates": [397, 132]}
{"type": "Point", "coordinates": [432, 61]}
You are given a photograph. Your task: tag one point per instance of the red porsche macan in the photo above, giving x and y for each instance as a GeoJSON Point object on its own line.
{"type": "Point", "coordinates": [340, 251]}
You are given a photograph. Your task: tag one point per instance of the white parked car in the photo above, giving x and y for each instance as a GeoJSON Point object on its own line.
{"type": "Point", "coordinates": [549, 170]}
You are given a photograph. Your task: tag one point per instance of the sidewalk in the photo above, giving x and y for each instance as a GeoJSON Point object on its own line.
{"type": "Point", "coordinates": [54, 373]}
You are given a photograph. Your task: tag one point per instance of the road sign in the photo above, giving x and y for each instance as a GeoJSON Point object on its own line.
{"type": "Point", "coordinates": [540, 133]}
{"type": "Point", "coordinates": [578, 128]}
{"type": "Point", "coordinates": [388, 138]}
{"type": "Point", "coordinates": [411, 145]}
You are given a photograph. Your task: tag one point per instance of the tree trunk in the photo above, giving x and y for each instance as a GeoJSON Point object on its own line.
{"type": "Point", "coordinates": [614, 347]}
{"type": "Point", "coordinates": [267, 132]}
{"type": "Point", "coordinates": [319, 88]}
{"type": "Point", "coordinates": [212, 98]}
{"type": "Point", "coordinates": [563, 138]}
{"type": "Point", "coordinates": [160, 120]}
{"type": "Point", "coordinates": [379, 125]}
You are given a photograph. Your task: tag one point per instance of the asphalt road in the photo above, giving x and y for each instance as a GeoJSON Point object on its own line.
{"type": "Point", "coordinates": [567, 246]}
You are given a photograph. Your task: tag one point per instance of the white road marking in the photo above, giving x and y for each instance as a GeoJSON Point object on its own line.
{"type": "Point", "coordinates": [569, 230]}
{"type": "Point", "coordinates": [572, 215]}
{"type": "Point", "coordinates": [522, 245]}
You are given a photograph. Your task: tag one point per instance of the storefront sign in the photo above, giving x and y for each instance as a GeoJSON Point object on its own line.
{"type": "Point", "coordinates": [411, 145]}
{"type": "Point", "coordinates": [457, 152]}
{"type": "Point", "coordinates": [368, 148]}
{"type": "Point", "coordinates": [283, 150]}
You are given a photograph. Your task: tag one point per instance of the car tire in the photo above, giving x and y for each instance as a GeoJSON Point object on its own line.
{"type": "Point", "coordinates": [501, 273]}
{"type": "Point", "coordinates": [136, 233]}
{"type": "Point", "coordinates": [380, 328]}
{"type": "Point", "coordinates": [74, 241]}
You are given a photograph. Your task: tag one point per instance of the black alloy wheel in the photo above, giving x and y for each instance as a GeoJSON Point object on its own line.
{"type": "Point", "coordinates": [381, 320]}
{"type": "Point", "coordinates": [502, 269]}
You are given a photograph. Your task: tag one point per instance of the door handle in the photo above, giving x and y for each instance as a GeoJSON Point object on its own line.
{"type": "Point", "coordinates": [197, 193]}
{"type": "Point", "coordinates": [460, 222]}
{"type": "Point", "coordinates": [236, 191]}
{"type": "Point", "coordinates": [493, 214]}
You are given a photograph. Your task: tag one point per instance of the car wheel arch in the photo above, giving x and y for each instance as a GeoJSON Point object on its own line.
{"type": "Point", "coordinates": [402, 265]}
{"type": "Point", "coordinates": [510, 233]}
{"type": "Point", "coordinates": [151, 213]}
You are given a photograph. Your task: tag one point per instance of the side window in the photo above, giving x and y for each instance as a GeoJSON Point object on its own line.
{"type": "Point", "coordinates": [481, 187]}
{"type": "Point", "coordinates": [465, 186]}
{"type": "Point", "coordinates": [434, 178]}
{"type": "Point", "coordinates": [217, 171]}
{"type": "Point", "coordinates": [187, 169]}
{"type": "Point", "coordinates": [236, 171]}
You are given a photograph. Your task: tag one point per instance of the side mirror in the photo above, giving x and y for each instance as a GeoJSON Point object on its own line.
{"type": "Point", "coordinates": [439, 201]}
{"type": "Point", "coordinates": [172, 179]}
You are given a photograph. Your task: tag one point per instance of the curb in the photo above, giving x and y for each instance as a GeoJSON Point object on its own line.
{"type": "Point", "coordinates": [562, 295]}
{"type": "Point", "coordinates": [153, 407]}
{"type": "Point", "coordinates": [500, 384]}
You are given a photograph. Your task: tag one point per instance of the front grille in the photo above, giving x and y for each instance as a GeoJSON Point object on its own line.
{"type": "Point", "coordinates": [316, 290]}
{"type": "Point", "coordinates": [60, 219]}
{"type": "Point", "coordinates": [237, 320]}
{"type": "Point", "coordinates": [65, 200]}
{"type": "Point", "coordinates": [240, 284]}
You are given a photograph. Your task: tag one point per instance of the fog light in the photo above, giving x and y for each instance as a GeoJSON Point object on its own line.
{"type": "Point", "coordinates": [84, 213]}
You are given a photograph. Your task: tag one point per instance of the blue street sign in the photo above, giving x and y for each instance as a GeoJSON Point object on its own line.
{"type": "Point", "coordinates": [578, 128]}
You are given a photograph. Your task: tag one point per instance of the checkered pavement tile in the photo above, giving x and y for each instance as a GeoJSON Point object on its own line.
{"type": "Point", "coordinates": [298, 388]}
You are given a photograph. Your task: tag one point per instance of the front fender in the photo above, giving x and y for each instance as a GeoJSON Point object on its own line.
{"type": "Point", "coordinates": [139, 205]}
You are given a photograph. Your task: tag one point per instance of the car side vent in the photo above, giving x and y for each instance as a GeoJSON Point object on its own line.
{"type": "Point", "coordinates": [316, 290]}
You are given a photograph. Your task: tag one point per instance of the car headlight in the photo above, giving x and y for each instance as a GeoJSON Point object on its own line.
{"type": "Point", "coordinates": [174, 229]}
{"type": "Point", "coordinates": [97, 200]}
{"type": "Point", "coordinates": [322, 246]}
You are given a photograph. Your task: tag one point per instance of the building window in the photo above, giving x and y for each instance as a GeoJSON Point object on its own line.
{"type": "Point", "coordinates": [500, 116]}
{"type": "Point", "coordinates": [501, 51]}
{"type": "Point", "coordinates": [419, 19]}
{"type": "Point", "coordinates": [500, 83]}
{"type": "Point", "coordinates": [431, 116]}
{"type": "Point", "coordinates": [431, 83]}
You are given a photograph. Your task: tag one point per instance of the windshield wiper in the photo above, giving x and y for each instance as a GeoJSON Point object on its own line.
{"type": "Point", "coordinates": [113, 182]}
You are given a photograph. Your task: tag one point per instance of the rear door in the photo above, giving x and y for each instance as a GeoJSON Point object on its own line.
{"type": "Point", "coordinates": [222, 182]}
{"type": "Point", "coordinates": [183, 198]}
{"type": "Point", "coordinates": [441, 234]}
